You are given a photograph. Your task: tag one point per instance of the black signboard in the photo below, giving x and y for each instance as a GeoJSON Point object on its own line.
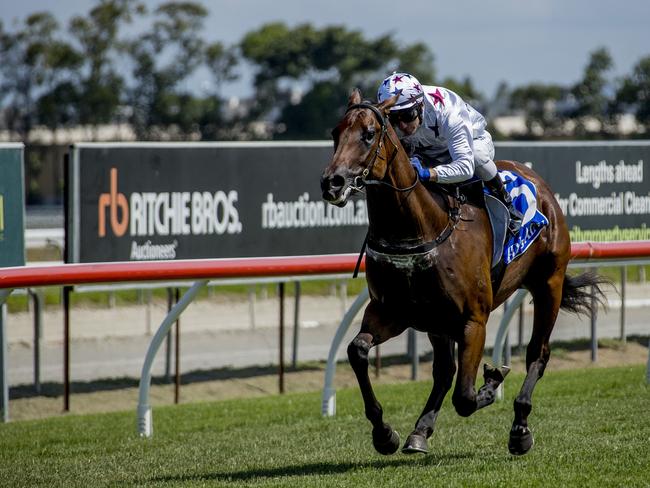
{"type": "Point", "coordinates": [129, 202]}
{"type": "Point", "coordinates": [153, 201]}
{"type": "Point", "coordinates": [603, 187]}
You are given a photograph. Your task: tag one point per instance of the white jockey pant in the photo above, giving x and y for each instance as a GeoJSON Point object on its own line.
{"type": "Point", "coordinates": [484, 157]}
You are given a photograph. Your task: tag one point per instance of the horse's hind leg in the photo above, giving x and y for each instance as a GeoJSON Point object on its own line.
{"type": "Point", "coordinates": [493, 377]}
{"type": "Point", "coordinates": [375, 329]}
{"type": "Point", "coordinates": [547, 298]}
{"type": "Point", "coordinates": [444, 368]}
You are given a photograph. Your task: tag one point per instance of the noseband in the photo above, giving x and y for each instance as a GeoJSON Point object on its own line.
{"type": "Point", "coordinates": [363, 180]}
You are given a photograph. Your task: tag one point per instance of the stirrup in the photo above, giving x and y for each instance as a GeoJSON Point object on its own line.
{"type": "Point", "coordinates": [514, 225]}
{"type": "Point", "coordinates": [516, 219]}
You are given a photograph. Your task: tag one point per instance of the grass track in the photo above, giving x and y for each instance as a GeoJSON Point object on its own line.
{"type": "Point", "coordinates": [592, 428]}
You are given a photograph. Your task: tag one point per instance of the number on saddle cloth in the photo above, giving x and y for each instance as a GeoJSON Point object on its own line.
{"type": "Point", "coordinates": [524, 198]}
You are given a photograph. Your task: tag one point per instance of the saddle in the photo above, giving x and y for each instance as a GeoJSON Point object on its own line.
{"type": "Point", "coordinates": [505, 246]}
{"type": "Point", "coordinates": [472, 192]}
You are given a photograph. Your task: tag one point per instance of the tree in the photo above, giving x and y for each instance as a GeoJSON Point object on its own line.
{"type": "Point", "coordinates": [590, 93]}
{"type": "Point", "coordinates": [304, 75]}
{"type": "Point", "coordinates": [35, 63]}
{"type": "Point", "coordinates": [213, 125]}
{"type": "Point", "coordinates": [163, 58]}
{"type": "Point", "coordinates": [101, 86]}
{"type": "Point", "coordinates": [634, 92]}
{"type": "Point", "coordinates": [539, 104]}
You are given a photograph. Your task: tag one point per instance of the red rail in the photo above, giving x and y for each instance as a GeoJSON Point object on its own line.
{"type": "Point", "coordinates": [610, 250]}
{"type": "Point", "coordinates": [74, 274]}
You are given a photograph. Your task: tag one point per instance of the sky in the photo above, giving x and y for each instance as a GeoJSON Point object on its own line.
{"type": "Point", "coordinates": [516, 41]}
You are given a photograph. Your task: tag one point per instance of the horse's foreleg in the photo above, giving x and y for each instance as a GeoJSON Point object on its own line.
{"type": "Point", "coordinates": [374, 330]}
{"type": "Point", "coordinates": [443, 369]}
{"type": "Point", "coordinates": [384, 438]}
{"type": "Point", "coordinates": [470, 352]}
{"type": "Point", "coordinates": [547, 300]}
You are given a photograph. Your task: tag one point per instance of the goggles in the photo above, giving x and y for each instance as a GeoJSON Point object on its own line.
{"type": "Point", "coordinates": [406, 115]}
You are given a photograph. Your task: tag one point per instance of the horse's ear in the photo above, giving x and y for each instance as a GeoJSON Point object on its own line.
{"type": "Point", "coordinates": [355, 97]}
{"type": "Point", "coordinates": [388, 103]}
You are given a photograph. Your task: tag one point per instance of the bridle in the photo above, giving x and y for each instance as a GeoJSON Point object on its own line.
{"type": "Point", "coordinates": [360, 181]}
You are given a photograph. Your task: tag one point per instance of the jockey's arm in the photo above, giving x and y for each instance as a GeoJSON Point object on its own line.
{"type": "Point", "coordinates": [458, 133]}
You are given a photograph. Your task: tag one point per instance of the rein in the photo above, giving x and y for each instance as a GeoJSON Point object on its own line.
{"type": "Point", "coordinates": [453, 212]}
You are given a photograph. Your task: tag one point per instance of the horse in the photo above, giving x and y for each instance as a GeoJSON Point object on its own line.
{"type": "Point", "coordinates": [428, 267]}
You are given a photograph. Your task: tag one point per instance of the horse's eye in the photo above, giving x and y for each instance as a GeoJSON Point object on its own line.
{"type": "Point", "coordinates": [368, 136]}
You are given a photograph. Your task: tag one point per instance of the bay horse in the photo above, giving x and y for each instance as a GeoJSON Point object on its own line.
{"type": "Point", "coordinates": [428, 266]}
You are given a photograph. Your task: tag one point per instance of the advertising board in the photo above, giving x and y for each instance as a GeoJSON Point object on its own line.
{"type": "Point", "coordinates": [149, 201]}
{"type": "Point", "coordinates": [181, 201]}
{"type": "Point", "coordinates": [603, 187]}
{"type": "Point", "coordinates": [12, 205]}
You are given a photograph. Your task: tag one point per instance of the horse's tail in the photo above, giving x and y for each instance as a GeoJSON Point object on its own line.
{"type": "Point", "coordinates": [582, 293]}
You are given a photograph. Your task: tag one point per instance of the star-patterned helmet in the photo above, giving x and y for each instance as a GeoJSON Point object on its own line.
{"type": "Point", "coordinates": [408, 87]}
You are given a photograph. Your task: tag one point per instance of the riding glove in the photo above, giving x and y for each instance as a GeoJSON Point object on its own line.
{"type": "Point", "coordinates": [423, 173]}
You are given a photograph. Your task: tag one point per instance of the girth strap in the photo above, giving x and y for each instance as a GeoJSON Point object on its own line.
{"type": "Point", "coordinates": [403, 250]}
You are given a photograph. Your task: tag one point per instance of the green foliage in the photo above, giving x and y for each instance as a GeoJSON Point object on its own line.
{"type": "Point", "coordinates": [98, 35]}
{"type": "Point", "coordinates": [634, 92]}
{"type": "Point", "coordinates": [591, 99]}
{"type": "Point", "coordinates": [156, 101]}
{"type": "Point", "coordinates": [539, 103]}
{"type": "Point", "coordinates": [98, 72]}
{"type": "Point", "coordinates": [589, 426]}
{"type": "Point", "coordinates": [308, 73]}
{"type": "Point", "coordinates": [316, 114]}
{"type": "Point", "coordinates": [35, 60]}
{"type": "Point", "coordinates": [221, 61]}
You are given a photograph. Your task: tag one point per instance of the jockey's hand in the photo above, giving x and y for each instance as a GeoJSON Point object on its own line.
{"type": "Point", "coordinates": [423, 173]}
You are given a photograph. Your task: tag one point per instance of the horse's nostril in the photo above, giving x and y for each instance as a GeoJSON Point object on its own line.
{"type": "Point", "coordinates": [337, 181]}
{"type": "Point", "coordinates": [332, 183]}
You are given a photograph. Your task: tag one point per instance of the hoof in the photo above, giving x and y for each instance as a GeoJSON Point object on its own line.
{"type": "Point", "coordinates": [415, 444]}
{"type": "Point", "coordinates": [385, 441]}
{"type": "Point", "coordinates": [521, 440]}
{"type": "Point", "coordinates": [495, 374]}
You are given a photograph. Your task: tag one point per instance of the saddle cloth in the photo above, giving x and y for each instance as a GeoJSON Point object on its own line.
{"type": "Point", "coordinates": [524, 198]}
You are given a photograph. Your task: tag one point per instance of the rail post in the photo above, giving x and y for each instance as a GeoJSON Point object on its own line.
{"type": "Point", "coordinates": [4, 386]}
{"type": "Point", "coordinates": [66, 348]}
{"type": "Point", "coordinates": [296, 325]}
{"type": "Point", "coordinates": [647, 371]}
{"type": "Point", "coordinates": [594, 326]}
{"type": "Point", "coordinates": [281, 338]}
{"type": "Point", "coordinates": [328, 405]}
{"type": "Point", "coordinates": [499, 341]}
{"type": "Point", "coordinates": [37, 298]}
{"type": "Point", "coordinates": [145, 415]}
{"type": "Point", "coordinates": [623, 283]}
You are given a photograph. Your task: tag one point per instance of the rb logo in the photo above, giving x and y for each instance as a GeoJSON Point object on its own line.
{"type": "Point", "coordinates": [113, 200]}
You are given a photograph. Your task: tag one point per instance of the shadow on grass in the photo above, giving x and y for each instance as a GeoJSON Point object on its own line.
{"type": "Point", "coordinates": [55, 389]}
{"type": "Point", "coordinates": [312, 469]}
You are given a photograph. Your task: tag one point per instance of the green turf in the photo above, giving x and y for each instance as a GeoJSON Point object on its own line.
{"type": "Point", "coordinates": [592, 429]}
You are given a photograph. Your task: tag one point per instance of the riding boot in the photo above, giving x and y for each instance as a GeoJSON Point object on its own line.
{"type": "Point", "coordinates": [496, 187]}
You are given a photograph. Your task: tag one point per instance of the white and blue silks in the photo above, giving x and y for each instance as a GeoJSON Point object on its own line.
{"type": "Point", "coordinates": [524, 198]}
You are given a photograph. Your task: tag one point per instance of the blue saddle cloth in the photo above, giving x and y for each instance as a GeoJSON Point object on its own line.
{"type": "Point", "coordinates": [524, 198]}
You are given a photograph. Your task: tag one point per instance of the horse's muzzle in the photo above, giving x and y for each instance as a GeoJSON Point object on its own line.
{"type": "Point", "coordinates": [335, 189]}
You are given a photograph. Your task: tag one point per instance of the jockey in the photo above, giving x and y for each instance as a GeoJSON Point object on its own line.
{"type": "Point", "coordinates": [437, 128]}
